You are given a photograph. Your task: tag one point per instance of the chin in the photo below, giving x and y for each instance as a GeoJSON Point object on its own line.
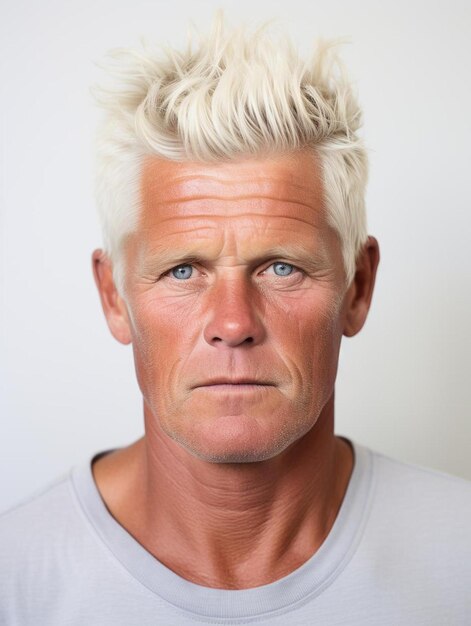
{"type": "Point", "coordinates": [233, 455]}
{"type": "Point", "coordinates": [235, 439]}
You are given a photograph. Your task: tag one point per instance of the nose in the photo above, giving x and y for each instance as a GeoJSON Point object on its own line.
{"type": "Point", "coordinates": [233, 319]}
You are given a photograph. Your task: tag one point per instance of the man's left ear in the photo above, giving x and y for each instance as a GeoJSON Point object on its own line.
{"type": "Point", "coordinates": [359, 294]}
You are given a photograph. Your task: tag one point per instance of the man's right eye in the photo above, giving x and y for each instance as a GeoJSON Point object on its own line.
{"type": "Point", "coordinates": [181, 272]}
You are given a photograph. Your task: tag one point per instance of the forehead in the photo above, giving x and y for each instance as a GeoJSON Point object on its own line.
{"type": "Point", "coordinates": [287, 179]}
{"type": "Point", "coordinates": [261, 199]}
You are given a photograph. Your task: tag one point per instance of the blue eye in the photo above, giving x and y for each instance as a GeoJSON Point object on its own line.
{"type": "Point", "coordinates": [284, 268]}
{"type": "Point", "coordinates": [182, 271]}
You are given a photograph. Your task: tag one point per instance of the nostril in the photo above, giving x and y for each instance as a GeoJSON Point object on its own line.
{"type": "Point", "coordinates": [246, 340]}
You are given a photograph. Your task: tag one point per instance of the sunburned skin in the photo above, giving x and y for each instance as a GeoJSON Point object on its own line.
{"type": "Point", "coordinates": [234, 317]}
{"type": "Point", "coordinates": [236, 304]}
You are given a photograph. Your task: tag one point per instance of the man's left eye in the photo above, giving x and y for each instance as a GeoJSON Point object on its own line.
{"type": "Point", "coordinates": [283, 269]}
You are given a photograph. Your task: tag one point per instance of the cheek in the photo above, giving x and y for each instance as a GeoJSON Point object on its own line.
{"type": "Point", "coordinates": [309, 337]}
{"type": "Point", "coordinates": [157, 343]}
{"type": "Point", "coordinates": [157, 326]}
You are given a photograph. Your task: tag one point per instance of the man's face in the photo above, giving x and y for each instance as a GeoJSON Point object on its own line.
{"type": "Point", "coordinates": [234, 291]}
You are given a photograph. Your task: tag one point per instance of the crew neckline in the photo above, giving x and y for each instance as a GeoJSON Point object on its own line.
{"type": "Point", "coordinates": [231, 605]}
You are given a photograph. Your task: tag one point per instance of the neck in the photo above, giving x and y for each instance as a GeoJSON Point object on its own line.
{"type": "Point", "coordinates": [228, 525]}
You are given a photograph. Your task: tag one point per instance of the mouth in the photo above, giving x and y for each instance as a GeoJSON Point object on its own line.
{"type": "Point", "coordinates": [235, 388]}
{"type": "Point", "coordinates": [234, 384]}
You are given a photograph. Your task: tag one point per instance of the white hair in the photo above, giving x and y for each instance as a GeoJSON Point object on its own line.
{"type": "Point", "coordinates": [234, 94]}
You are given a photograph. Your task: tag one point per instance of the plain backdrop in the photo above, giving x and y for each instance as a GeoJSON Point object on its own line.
{"type": "Point", "coordinates": [68, 388]}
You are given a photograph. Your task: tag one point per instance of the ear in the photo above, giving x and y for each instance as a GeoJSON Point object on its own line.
{"type": "Point", "coordinates": [113, 305]}
{"type": "Point", "coordinates": [359, 294]}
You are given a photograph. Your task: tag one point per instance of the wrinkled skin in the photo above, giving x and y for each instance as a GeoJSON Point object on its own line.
{"type": "Point", "coordinates": [233, 272]}
{"type": "Point", "coordinates": [231, 308]}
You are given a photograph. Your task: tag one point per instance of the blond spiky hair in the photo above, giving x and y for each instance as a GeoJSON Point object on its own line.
{"type": "Point", "coordinates": [236, 93]}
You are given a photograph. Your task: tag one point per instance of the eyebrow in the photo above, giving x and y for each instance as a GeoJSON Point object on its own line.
{"type": "Point", "coordinates": [296, 253]}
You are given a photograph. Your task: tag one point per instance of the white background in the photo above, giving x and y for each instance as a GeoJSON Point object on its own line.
{"type": "Point", "coordinates": [68, 389]}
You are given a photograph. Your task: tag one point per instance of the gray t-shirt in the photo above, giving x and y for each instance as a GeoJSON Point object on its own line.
{"type": "Point", "coordinates": [399, 553]}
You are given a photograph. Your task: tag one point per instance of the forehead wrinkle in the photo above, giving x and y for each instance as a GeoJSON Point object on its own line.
{"type": "Point", "coordinates": [294, 250]}
{"type": "Point", "coordinates": [234, 217]}
{"type": "Point", "coordinates": [272, 239]}
{"type": "Point", "coordinates": [264, 188]}
{"type": "Point", "coordinates": [164, 240]}
{"type": "Point", "coordinates": [187, 231]}
{"type": "Point", "coordinates": [174, 179]}
{"type": "Point", "coordinates": [232, 197]}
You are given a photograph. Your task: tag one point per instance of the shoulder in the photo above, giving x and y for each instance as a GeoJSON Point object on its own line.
{"type": "Point", "coordinates": [48, 502]}
{"type": "Point", "coordinates": [45, 542]}
{"type": "Point", "coordinates": [422, 514]}
{"type": "Point", "coordinates": [420, 486]}
{"type": "Point", "coordinates": [33, 530]}
{"type": "Point", "coordinates": [41, 540]}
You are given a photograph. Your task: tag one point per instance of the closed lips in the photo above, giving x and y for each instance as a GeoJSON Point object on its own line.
{"type": "Point", "coordinates": [229, 381]}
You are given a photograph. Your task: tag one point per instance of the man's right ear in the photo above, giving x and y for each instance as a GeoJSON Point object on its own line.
{"type": "Point", "coordinates": [113, 305]}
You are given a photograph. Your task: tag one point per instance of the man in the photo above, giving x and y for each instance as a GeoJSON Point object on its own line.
{"type": "Point", "coordinates": [231, 193]}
